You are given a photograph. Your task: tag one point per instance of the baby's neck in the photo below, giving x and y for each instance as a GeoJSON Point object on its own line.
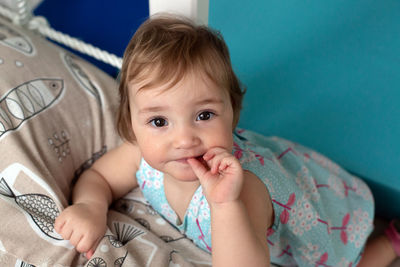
{"type": "Point", "coordinates": [179, 194]}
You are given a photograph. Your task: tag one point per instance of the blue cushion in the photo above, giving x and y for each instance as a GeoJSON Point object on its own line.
{"type": "Point", "coordinates": [325, 74]}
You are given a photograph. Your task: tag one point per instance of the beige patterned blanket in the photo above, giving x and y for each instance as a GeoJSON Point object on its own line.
{"type": "Point", "coordinates": [56, 118]}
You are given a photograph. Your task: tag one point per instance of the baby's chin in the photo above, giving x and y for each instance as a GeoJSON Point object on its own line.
{"type": "Point", "coordinates": [186, 175]}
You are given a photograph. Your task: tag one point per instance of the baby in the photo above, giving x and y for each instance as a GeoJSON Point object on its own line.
{"type": "Point", "coordinates": [252, 199]}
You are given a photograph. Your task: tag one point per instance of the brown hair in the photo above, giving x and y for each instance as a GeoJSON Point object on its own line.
{"type": "Point", "coordinates": [169, 47]}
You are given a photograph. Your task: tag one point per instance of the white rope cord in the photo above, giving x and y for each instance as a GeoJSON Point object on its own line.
{"type": "Point", "coordinates": [23, 12]}
{"type": "Point", "coordinates": [40, 24]}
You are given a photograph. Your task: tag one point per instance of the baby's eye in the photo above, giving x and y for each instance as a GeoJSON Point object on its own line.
{"type": "Point", "coordinates": [159, 122]}
{"type": "Point", "coordinates": [205, 115]}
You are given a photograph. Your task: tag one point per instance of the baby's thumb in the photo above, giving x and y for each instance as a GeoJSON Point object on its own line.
{"type": "Point", "coordinates": [91, 251]}
{"type": "Point", "coordinates": [89, 254]}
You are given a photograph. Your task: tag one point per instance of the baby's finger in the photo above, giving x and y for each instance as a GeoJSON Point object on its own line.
{"type": "Point", "coordinates": [66, 232]}
{"type": "Point", "coordinates": [209, 155]}
{"type": "Point", "coordinates": [91, 251]}
{"type": "Point", "coordinates": [75, 240]}
{"type": "Point", "coordinates": [59, 224]}
{"type": "Point", "coordinates": [84, 245]}
{"type": "Point", "coordinates": [223, 166]}
{"type": "Point", "coordinates": [198, 168]}
{"type": "Point", "coordinates": [216, 161]}
{"type": "Point", "coordinates": [212, 152]}
{"type": "Point", "coordinates": [89, 254]}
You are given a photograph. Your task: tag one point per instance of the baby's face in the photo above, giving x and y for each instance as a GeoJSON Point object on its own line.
{"type": "Point", "coordinates": [174, 124]}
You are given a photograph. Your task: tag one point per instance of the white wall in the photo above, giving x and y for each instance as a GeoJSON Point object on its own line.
{"type": "Point", "coordinates": [197, 10]}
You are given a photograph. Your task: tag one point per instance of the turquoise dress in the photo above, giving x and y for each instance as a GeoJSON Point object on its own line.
{"type": "Point", "coordinates": [323, 215]}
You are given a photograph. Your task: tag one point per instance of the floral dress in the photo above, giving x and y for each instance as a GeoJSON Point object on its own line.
{"type": "Point", "coordinates": [323, 215]}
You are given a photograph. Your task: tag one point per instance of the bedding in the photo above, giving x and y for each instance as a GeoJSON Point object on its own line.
{"type": "Point", "coordinates": [56, 119]}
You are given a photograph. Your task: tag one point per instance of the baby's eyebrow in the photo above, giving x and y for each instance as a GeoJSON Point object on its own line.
{"type": "Point", "coordinates": [155, 109]}
{"type": "Point", "coordinates": [212, 100]}
{"type": "Point", "coordinates": [152, 109]}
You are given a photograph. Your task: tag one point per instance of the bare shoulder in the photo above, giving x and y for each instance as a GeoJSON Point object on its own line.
{"type": "Point", "coordinates": [124, 153]}
{"type": "Point", "coordinates": [118, 166]}
{"type": "Point", "coordinates": [258, 202]}
{"type": "Point", "coordinates": [129, 152]}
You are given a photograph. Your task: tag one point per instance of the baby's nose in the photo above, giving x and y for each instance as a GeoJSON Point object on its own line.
{"type": "Point", "coordinates": [186, 138]}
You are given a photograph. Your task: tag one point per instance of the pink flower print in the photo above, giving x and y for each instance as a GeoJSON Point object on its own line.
{"type": "Point", "coordinates": [146, 165]}
{"type": "Point", "coordinates": [310, 253]}
{"type": "Point", "coordinates": [260, 158]}
{"type": "Point", "coordinates": [320, 185]}
{"type": "Point", "coordinates": [342, 228]}
{"type": "Point", "coordinates": [204, 214]}
{"type": "Point", "coordinates": [286, 251]}
{"type": "Point", "coordinates": [270, 232]}
{"type": "Point", "coordinates": [344, 263]}
{"type": "Point", "coordinates": [157, 184]}
{"type": "Point", "coordinates": [143, 184]}
{"type": "Point", "coordinates": [240, 131]}
{"type": "Point", "coordinates": [195, 210]}
{"type": "Point", "coordinates": [347, 188]}
{"type": "Point", "coordinates": [343, 234]}
{"type": "Point", "coordinates": [307, 206]}
{"type": "Point", "coordinates": [322, 260]}
{"type": "Point", "coordinates": [358, 227]}
{"type": "Point", "coordinates": [315, 248]}
{"type": "Point", "coordinates": [168, 213]}
{"type": "Point", "coordinates": [337, 186]}
{"type": "Point", "coordinates": [302, 219]}
{"type": "Point", "coordinates": [238, 151]}
{"type": "Point", "coordinates": [307, 184]}
{"type": "Point", "coordinates": [149, 184]}
{"type": "Point", "coordinates": [287, 151]}
{"type": "Point", "coordinates": [306, 157]}
{"type": "Point", "coordinates": [362, 189]}
{"type": "Point", "coordinates": [202, 236]}
{"type": "Point", "coordinates": [238, 154]}
{"type": "Point", "coordinates": [284, 217]}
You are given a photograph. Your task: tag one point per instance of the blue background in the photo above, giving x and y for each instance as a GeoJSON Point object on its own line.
{"type": "Point", "coordinates": [325, 74]}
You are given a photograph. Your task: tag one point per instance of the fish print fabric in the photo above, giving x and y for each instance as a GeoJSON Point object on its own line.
{"type": "Point", "coordinates": [56, 119]}
{"type": "Point", "coordinates": [323, 215]}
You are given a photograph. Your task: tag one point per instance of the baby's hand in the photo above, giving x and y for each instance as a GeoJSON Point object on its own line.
{"type": "Point", "coordinates": [222, 181]}
{"type": "Point", "coordinates": [83, 225]}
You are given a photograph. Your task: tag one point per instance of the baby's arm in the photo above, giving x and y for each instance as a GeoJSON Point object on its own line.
{"type": "Point", "coordinates": [241, 211]}
{"type": "Point", "coordinates": [110, 177]}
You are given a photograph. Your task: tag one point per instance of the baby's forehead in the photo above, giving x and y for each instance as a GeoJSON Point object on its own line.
{"type": "Point", "coordinates": [189, 82]}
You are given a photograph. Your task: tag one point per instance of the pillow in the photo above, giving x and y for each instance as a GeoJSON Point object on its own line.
{"type": "Point", "coordinates": [56, 118]}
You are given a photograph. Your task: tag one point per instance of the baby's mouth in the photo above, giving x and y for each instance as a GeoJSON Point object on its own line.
{"type": "Point", "coordinates": [202, 161]}
{"type": "Point", "coordinates": [199, 158]}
